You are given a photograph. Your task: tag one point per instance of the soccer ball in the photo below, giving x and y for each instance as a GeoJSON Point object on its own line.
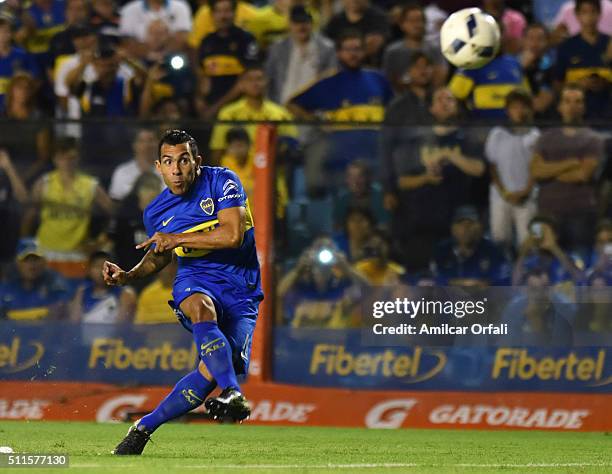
{"type": "Point", "coordinates": [469, 38]}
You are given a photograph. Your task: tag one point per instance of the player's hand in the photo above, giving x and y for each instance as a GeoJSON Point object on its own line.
{"type": "Point", "coordinates": [113, 274]}
{"type": "Point", "coordinates": [163, 242]}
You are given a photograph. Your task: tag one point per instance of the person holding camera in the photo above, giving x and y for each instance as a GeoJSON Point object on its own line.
{"type": "Point", "coordinates": [376, 265]}
{"type": "Point", "coordinates": [322, 290]}
{"type": "Point", "coordinates": [541, 250]}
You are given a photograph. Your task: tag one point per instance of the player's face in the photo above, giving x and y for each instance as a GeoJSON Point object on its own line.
{"type": "Point", "coordinates": [178, 167]}
{"type": "Point", "coordinates": [588, 17]}
{"type": "Point", "coordinates": [223, 15]}
{"type": "Point", "coordinates": [351, 53]}
{"type": "Point", "coordinates": [571, 106]}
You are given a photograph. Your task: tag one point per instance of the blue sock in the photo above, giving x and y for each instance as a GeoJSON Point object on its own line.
{"type": "Point", "coordinates": [189, 393]}
{"type": "Point", "coordinates": [216, 353]}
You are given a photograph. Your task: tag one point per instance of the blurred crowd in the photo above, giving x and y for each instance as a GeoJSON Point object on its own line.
{"type": "Point", "coordinates": [394, 168]}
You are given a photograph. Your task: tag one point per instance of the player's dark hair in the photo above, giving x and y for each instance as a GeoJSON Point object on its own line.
{"type": "Point", "coordinates": [5, 22]}
{"type": "Point", "coordinates": [519, 95]}
{"type": "Point", "coordinates": [65, 144]}
{"type": "Point", "coordinates": [346, 35]}
{"type": "Point", "coordinates": [213, 3]}
{"type": "Point", "coordinates": [596, 4]}
{"type": "Point", "coordinates": [410, 6]}
{"type": "Point", "coordinates": [237, 134]}
{"type": "Point", "coordinates": [176, 137]}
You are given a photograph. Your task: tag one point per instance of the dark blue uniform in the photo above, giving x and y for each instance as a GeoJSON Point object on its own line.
{"type": "Point", "coordinates": [230, 277]}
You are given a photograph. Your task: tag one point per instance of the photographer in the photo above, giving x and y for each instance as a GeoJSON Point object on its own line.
{"type": "Point", "coordinates": [376, 265]}
{"type": "Point", "coordinates": [541, 250]}
{"type": "Point", "coordinates": [322, 290]}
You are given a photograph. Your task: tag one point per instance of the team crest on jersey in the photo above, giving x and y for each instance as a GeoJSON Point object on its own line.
{"type": "Point", "coordinates": [208, 206]}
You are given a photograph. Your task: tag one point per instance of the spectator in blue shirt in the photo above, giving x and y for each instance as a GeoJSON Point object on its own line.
{"type": "Point", "coordinates": [34, 292]}
{"type": "Point", "coordinates": [541, 251]}
{"type": "Point", "coordinates": [585, 58]}
{"type": "Point", "coordinates": [12, 60]}
{"type": "Point", "coordinates": [540, 316]}
{"type": "Point", "coordinates": [350, 94]}
{"type": "Point", "coordinates": [467, 258]}
{"type": "Point", "coordinates": [322, 290]}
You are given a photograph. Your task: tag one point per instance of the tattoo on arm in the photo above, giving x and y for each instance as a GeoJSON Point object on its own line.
{"type": "Point", "coordinates": [151, 263]}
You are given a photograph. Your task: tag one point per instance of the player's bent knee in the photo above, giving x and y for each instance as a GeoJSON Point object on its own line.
{"type": "Point", "coordinates": [199, 308]}
{"type": "Point", "coordinates": [204, 371]}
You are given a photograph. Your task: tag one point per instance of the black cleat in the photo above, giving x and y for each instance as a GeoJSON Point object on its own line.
{"type": "Point", "coordinates": [133, 444]}
{"type": "Point", "coordinates": [229, 405]}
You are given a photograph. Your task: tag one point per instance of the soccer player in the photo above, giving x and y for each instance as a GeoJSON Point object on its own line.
{"type": "Point", "coordinates": [204, 218]}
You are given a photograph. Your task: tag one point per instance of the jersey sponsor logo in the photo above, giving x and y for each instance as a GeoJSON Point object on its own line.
{"type": "Point", "coordinates": [389, 414]}
{"type": "Point", "coordinates": [167, 221]}
{"type": "Point", "coordinates": [208, 206]}
{"type": "Point", "coordinates": [230, 196]}
{"type": "Point", "coordinates": [229, 186]}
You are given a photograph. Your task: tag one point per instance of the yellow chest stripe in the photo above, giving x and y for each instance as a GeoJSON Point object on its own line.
{"type": "Point", "coordinates": [203, 227]}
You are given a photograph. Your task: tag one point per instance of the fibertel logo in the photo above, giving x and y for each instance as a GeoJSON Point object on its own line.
{"type": "Point", "coordinates": [423, 364]}
{"type": "Point", "coordinates": [519, 364]}
{"type": "Point", "coordinates": [17, 356]}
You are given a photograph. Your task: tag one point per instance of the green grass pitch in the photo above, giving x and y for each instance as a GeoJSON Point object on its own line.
{"type": "Point", "coordinates": [188, 448]}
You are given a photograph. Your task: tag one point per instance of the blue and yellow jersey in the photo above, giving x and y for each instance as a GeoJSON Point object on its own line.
{"type": "Point", "coordinates": [347, 96]}
{"type": "Point", "coordinates": [578, 59]}
{"type": "Point", "coordinates": [222, 58]}
{"type": "Point", "coordinates": [214, 190]}
{"type": "Point", "coordinates": [20, 303]}
{"type": "Point", "coordinates": [48, 24]}
{"type": "Point", "coordinates": [485, 89]}
{"type": "Point", "coordinates": [16, 61]}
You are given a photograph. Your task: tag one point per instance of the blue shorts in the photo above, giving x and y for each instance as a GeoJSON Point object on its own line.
{"type": "Point", "coordinates": [236, 314]}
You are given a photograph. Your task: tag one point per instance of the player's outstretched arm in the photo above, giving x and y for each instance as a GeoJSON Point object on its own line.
{"type": "Point", "coordinates": [151, 263]}
{"type": "Point", "coordinates": [228, 234]}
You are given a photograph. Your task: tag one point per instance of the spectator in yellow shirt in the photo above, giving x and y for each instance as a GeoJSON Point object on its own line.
{"type": "Point", "coordinates": [376, 265]}
{"type": "Point", "coordinates": [238, 158]}
{"type": "Point", "coordinates": [152, 305]}
{"type": "Point", "coordinates": [252, 107]}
